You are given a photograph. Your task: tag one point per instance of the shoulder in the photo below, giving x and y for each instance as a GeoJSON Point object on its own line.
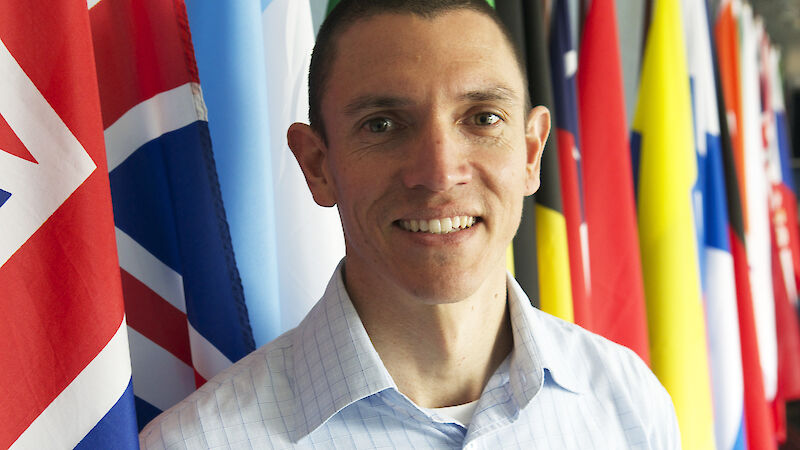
{"type": "Point", "coordinates": [250, 400]}
{"type": "Point", "coordinates": [612, 376]}
{"type": "Point", "coordinates": [609, 378]}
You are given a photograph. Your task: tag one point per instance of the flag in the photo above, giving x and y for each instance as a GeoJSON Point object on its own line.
{"type": "Point", "coordinates": [65, 379]}
{"type": "Point", "coordinates": [783, 201]}
{"type": "Point", "coordinates": [617, 298]}
{"type": "Point", "coordinates": [757, 228]}
{"type": "Point", "coordinates": [510, 259]}
{"type": "Point", "coordinates": [286, 245]}
{"type": "Point", "coordinates": [186, 313]}
{"type": "Point", "coordinates": [666, 175]}
{"type": "Point", "coordinates": [236, 94]}
{"type": "Point", "coordinates": [787, 330]}
{"type": "Point", "coordinates": [783, 272]}
{"type": "Point", "coordinates": [310, 239]}
{"type": "Point", "coordinates": [786, 234]}
{"type": "Point", "coordinates": [563, 65]}
{"type": "Point", "coordinates": [758, 422]}
{"type": "Point", "coordinates": [726, 32]}
{"type": "Point", "coordinates": [526, 265]}
{"type": "Point", "coordinates": [716, 261]}
{"type": "Point", "coordinates": [784, 150]}
{"type": "Point", "coordinates": [555, 292]}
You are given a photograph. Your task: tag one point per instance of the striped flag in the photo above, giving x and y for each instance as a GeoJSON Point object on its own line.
{"type": "Point", "coordinates": [716, 261]}
{"type": "Point", "coordinates": [286, 246]}
{"type": "Point", "coordinates": [617, 297]}
{"type": "Point", "coordinates": [555, 292]}
{"type": "Point", "coordinates": [186, 315]}
{"type": "Point", "coordinates": [666, 175]}
{"type": "Point", "coordinates": [757, 227]}
{"type": "Point", "coordinates": [563, 65]}
{"type": "Point", "coordinates": [758, 422]}
{"type": "Point", "coordinates": [65, 378]}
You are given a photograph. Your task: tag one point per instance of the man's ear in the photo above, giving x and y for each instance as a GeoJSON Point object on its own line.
{"type": "Point", "coordinates": [312, 153]}
{"type": "Point", "coordinates": [537, 128]}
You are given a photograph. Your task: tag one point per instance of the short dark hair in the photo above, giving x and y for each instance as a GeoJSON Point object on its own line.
{"type": "Point", "coordinates": [347, 12]}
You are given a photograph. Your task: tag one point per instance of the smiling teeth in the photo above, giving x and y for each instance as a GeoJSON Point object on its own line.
{"type": "Point", "coordinates": [439, 226]}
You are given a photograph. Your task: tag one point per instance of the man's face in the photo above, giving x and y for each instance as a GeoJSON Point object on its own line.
{"type": "Point", "coordinates": [426, 126]}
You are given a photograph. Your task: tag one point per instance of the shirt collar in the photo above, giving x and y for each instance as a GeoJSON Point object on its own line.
{"type": "Point", "coordinates": [540, 344]}
{"type": "Point", "coordinates": [335, 363]}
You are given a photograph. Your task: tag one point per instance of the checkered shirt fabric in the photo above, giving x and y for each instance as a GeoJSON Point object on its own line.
{"type": "Point", "coordinates": [322, 385]}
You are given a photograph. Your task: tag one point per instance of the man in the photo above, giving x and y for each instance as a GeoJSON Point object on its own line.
{"type": "Point", "coordinates": [419, 134]}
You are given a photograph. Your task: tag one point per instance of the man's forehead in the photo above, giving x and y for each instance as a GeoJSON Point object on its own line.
{"type": "Point", "coordinates": [390, 45]}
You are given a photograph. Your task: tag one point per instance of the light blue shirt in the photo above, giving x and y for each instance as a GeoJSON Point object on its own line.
{"type": "Point", "coordinates": [322, 385]}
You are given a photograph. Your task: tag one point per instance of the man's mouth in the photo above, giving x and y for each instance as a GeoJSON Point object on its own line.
{"type": "Point", "coordinates": [438, 226]}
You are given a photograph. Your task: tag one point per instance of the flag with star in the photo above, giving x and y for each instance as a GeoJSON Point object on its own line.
{"type": "Point", "coordinates": [563, 66]}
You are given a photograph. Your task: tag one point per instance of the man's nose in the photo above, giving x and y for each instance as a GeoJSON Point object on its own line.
{"type": "Point", "coordinates": [439, 160]}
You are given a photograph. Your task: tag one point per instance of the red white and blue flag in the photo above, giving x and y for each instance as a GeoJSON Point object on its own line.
{"type": "Point", "coordinates": [713, 224]}
{"type": "Point", "coordinates": [65, 378]}
{"type": "Point", "coordinates": [563, 67]}
{"type": "Point", "coordinates": [183, 297]}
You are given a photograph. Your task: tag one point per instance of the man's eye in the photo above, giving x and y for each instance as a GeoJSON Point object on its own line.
{"type": "Point", "coordinates": [379, 125]}
{"type": "Point", "coordinates": [485, 119]}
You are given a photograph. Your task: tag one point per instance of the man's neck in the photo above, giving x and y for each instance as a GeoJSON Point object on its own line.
{"type": "Point", "coordinates": [438, 354]}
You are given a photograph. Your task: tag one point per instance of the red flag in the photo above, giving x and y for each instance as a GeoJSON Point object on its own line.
{"type": "Point", "coordinates": [617, 293]}
{"type": "Point", "coordinates": [788, 345]}
{"type": "Point", "coordinates": [65, 371]}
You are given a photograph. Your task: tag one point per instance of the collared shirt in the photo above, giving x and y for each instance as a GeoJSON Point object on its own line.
{"type": "Point", "coordinates": [322, 385]}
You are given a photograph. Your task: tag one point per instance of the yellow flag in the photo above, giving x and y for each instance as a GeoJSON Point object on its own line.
{"type": "Point", "coordinates": [555, 289]}
{"type": "Point", "coordinates": [667, 171]}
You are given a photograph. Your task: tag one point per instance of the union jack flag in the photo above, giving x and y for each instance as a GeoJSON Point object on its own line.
{"type": "Point", "coordinates": [65, 373]}
{"type": "Point", "coordinates": [183, 297]}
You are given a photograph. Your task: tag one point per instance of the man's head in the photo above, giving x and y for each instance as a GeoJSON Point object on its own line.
{"type": "Point", "coordinates": [426, 124]}
{"type": "Point", "coordinates": [348, 12]}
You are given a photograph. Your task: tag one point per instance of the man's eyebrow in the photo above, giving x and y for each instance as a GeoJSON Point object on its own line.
{"type": "Point", "coordinates": [491, 94]}
{"type": "Point", "coordinates": [370, 101]}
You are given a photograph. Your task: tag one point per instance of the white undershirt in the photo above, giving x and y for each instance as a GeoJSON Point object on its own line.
{"type": "Point", "coordinates": [460, 413]}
